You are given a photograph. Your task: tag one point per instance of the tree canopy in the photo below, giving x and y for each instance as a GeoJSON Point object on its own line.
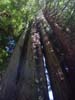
{"type": "Point", "coordinates": [16, 14]}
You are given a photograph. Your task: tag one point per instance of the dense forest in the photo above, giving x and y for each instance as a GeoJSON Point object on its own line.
{"type": "Point", "coordinates": [37, 49]}
{"type": "Point", "coordinates": [15, 16]}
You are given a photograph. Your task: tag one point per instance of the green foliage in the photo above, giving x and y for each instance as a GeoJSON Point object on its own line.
{"type": "Point", "coordinates": [3, 59]}
{"type": "Point", "coordinates": [65, 11]}
{"type": "Point", "coordinates": [15, 15]}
